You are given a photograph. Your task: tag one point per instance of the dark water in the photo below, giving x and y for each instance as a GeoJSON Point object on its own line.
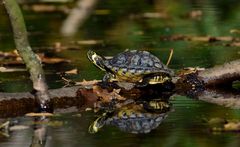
{"type": "Point", "coordinates": [185, 125]}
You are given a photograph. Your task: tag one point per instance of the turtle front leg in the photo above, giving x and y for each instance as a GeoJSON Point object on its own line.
{"type": "Point", "coordinates": [108, 77]}
{"type": "Point", "coordinates": [105, 80]}
{"type": "Point", "coordinates": [108, 80]}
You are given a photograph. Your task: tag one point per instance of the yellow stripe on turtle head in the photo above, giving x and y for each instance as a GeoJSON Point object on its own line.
{"type": "Point", "coordinates": [96, 59]}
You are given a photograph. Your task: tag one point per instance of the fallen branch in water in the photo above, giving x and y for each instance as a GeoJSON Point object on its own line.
{"type": "Point", "coordinates": [87, 93]}
{"type": "Point", "coordinates": [15, 104]}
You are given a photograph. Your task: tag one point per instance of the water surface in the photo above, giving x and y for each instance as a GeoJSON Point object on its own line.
{"type": "Point", "coordinates": [185, 125]}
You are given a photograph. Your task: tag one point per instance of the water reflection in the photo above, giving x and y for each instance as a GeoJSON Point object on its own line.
{"type": "Point", "coordinates": [133, 116]}
{"type": "Point", "coordinates": [40, 131]}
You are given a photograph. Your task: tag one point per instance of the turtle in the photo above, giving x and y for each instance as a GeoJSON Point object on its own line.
{"type": "Point", "coordinates": [133, 118]}
{"type": "Point", "coordinates": [132, 66]}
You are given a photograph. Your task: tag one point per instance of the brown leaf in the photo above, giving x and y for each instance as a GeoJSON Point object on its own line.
{"type": "Point", "coordinates": [155, 15]}
{"type": "Point", "coordinates": [88, 96]}
{"type": "Point", "coordinates": [87, 83]}
{"type": "Point", "coordinates": [107, 96]}
{"type": "Point", "coordinates": [53, 60]}
{"type": "Point", "coordinates": [9, 54]}
{"type": "Point", "coordinates": [89, 42]}
{"type": "Point", "coordinates": [195, 14]}
{"type": "Point", "coordinates": [73, 71]}
{"type": "Point", "coordinates": [38, 114]}
{"type": "Point", "coordinates": [18, 128]}
{"type": "Point", "coordinates": [232, 126]}
{"type": "Point", "coordinates": [4, 69]}
{"type": "Point", "coordinates": [88, 109]}
{"type": "Point", "coordinates": [234, 44]}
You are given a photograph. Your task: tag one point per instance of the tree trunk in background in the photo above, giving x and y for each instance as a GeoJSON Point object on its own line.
{"type": "Point", "coordinates": [77, 16]}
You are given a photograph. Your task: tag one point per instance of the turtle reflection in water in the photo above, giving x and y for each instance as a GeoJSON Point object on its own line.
{"type": "Point", "coordinates": [136, 117]}
{"type": "Point", "coordinates": [134, 67]}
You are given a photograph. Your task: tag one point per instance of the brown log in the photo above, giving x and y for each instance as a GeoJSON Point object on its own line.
{"type": "Point", "coordinates": [228, 72]}
{"type": "Point", "coordinates": [15, 104]}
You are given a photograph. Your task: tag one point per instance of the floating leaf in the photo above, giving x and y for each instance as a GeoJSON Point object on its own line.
{"type": "Point", "coordinates": [196, 14]}
{"type": "Point", "coordinates": [53, 60]}
{"type": "Point", "coordinates": [38, 114]}
{"type": "Point", "coordinates": [4, 69]}
{"type": "Point", "coordinates": [232, 126]}
{"type": "Point", "coordinates": [87, 83]}
{"type": "Point", "coordinates": [89, 42]}
{"type": "Point", "coordinates": [88, 109]}
{"type": "Point", "coordinates": [18, 127]}
{"type": "Point", "coordinates": [154, 15]}
{"type": "Point", "coordinates": [73, 71]}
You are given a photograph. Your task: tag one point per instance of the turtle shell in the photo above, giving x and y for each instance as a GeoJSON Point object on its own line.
{"type": "Point", "coordinates": [136, 62]}
{"type": "Point", "coordinates": [133, 118]}
{"type": "Point", "coordinates": [138, 124]}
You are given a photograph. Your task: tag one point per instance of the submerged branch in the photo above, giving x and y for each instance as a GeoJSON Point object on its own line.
{"type": "Point", "coordinates": [24, 49]}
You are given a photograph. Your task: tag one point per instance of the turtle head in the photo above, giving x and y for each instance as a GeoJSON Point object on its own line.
{"type": "Point", "coordinates": [98, 123]}
{"type": "Point", "coordinates": [96, 59]}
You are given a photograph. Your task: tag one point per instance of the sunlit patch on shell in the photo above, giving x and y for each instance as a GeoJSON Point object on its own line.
{"type": "Point", "coordinates": [139, 71]}
{"type": "Point", "coordinates": [145, 53]}
{"type": "Point", "coordinates": [115, 69]}
{"type": "Point", "coordinates": [158, 65]}
{"type": "Point", "coordinates": [124, 71]}
{"type": "Point", "coordinates": [132, 71]}
{"type": "Point", "coordinates": [148, 71]}
{"type": "Point", "coordinates": [146, 61]}
{"type": "Point", "coordinates": [133, 51]}
{"type": "Point", "coordinates": [135, 60]}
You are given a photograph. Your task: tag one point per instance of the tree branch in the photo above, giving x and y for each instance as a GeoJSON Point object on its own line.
{"type": "Point", "coordinates": [24, 49]}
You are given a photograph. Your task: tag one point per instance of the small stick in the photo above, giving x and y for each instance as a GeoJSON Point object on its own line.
{"type": "Point", "coordinates": [170, 56]}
